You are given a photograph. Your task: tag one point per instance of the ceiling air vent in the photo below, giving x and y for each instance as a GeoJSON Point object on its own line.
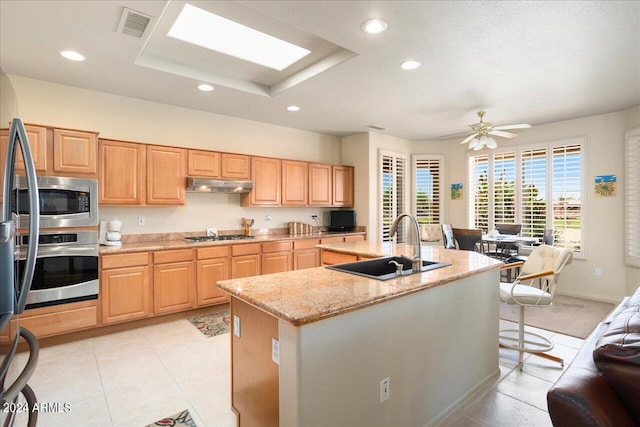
{"type": "Point", "coordinates": [133, 23]}
{"type": "Point", "coordinates": [375, 127]}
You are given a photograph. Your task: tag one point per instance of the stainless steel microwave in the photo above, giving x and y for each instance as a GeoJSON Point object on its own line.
{"type": "Point", "coordinates": [64, 202]}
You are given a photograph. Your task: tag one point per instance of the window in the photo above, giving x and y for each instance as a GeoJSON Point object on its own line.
{"type": "Point", "coordinates": [479, 188]}
{"type": "Point", "coordinates": [632, 192]}
{"type": "Point", "coordinates": [539, 187]}
{"type": "Point", "coordinates": [393, 192]}
{"type": "Point", "coordinates": [427, 188]}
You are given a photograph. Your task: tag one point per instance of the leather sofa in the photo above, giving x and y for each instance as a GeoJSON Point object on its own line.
{"type": "Point", "coordinates": [601, 387]}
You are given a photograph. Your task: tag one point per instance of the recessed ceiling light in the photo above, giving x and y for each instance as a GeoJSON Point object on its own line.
{"type": "Point", "coordinates": [205, 87]}
{"type": "Point", "coordinates": [73, 56]}
{"type": "Point", "coordinates": [205, 29]}
{"type": "Point", "coordinates": [374, 26]}
{"type": "Point", "coordinates": [293, 108]}
{"type": "Point", "coordinates": [410, 65]}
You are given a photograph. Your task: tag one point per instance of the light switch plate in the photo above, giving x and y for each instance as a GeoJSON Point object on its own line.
{"type": "Point", "coordinates": [236, 326]}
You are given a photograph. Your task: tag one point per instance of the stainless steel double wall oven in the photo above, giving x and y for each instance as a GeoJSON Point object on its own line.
{"type": "Point", "coordinates": [67, 259]}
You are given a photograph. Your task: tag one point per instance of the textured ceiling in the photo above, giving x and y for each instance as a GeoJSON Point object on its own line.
{"type": "Point", "coordinates": [522, 62]}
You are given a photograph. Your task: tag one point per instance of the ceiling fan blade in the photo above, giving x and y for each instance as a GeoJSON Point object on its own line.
{"type": "Point", "coordinates": [469, 138]}
{"type": "Point", "coordinates": [454, 135]}
{"type": "Point", "coordinates": [503, 134]}
{"type": "Point", "coordinates": [518, 126]}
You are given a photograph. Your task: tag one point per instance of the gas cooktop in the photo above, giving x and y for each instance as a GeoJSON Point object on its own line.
{"type": "Point", "coordinates": [214, 238]}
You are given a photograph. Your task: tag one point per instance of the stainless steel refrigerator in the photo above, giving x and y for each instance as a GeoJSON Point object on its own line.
{"type": "Point", "coordinates": [15, 394]}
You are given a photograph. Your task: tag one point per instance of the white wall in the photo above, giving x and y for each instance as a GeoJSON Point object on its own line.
{"type": "Point", "coordinates": [633, 273]}
{"type": "Point", "coordinates": [8, 100]}
{"type": "Point", "coordinates": [604, 231]}
{"type": "Point", "coordinates": [129, 119]}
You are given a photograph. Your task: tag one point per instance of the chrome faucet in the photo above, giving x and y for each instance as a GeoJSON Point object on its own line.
{"type": "Point", "coordinates": [416, 260]}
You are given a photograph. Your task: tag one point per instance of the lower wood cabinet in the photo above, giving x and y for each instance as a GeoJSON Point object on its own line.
{"type": "Point", "coordinates": [276, 257]}
{"type": "Point", "coordinates": [305, 254]}
{"type": "Point", "coordinates": [174, 286]}
{"type": "Point", "coordinates": [60, 319]}
{"type": "Point", "coordinates": [213, 265]}
{"type": "Point", "coordinates": [245, 260]}
{"type": "Point", "coordinates": [331, 258]}
{"type": "Point", "coordinates": [125, 287]}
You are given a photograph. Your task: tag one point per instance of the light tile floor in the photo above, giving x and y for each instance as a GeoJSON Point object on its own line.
{"type": "Point", "coordinates": [136, 377]}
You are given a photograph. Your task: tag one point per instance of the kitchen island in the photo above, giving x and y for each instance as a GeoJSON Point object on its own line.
{"type": "Point", "coordinates": [337, 336]}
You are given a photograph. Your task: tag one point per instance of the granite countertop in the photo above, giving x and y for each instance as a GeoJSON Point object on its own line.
{"type": "Point", "coordinates": [177, 241]}
{"type": "Point", "coordinates": [309, 295]}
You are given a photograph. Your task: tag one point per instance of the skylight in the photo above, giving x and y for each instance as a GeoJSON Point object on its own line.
{"type": "Point", "coordinates": [205, 29]}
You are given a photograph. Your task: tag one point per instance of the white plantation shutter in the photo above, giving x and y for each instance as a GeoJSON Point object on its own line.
{"type": "Point", "coordinates": [427, 188]}
{"type": "Point", "coordinates": [567, 196]}
{"type": "Point", "coordinates": [393, 169]}
{"type": "Point", "coordinates": [504, 197]}
{"type": "Point", "coordinates": [632, 198]}
{"type": "Point", "coordinates": [533, 197]}
{"type": "Point", "coordinates": [479, 191]}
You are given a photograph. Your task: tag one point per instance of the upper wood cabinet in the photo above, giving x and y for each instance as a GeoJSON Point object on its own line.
{"type": "Point", "coordinates": [122, 172]}
{"type": "Point", "coordinates": [166, 175]}
{"type": "Point", "coordinates": [266, 176]}
{"type": "Point", "coordinates": [37, 136]}
{"type": "Point", "coordinates": [295, 178]}
{"type": "Point", "coordinates": [203, 163]}
{"type": "Point", "coordinates": [320, 187]}
{"type": "Point", "coordinates": [342, 185]}
{"type": "Point", "coordinates": [235, 166]}
{"type": "Point", "coordinates": [75, 152]}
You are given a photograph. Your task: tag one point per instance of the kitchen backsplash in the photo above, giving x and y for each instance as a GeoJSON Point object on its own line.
{"type": "Point", "coordinates": [222, 211]}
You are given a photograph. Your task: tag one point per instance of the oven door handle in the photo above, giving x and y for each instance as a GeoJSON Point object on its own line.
{"type": "Point", "coordinates": [61, 251]}
{"type": "Point", "coordinates": [18, 137]}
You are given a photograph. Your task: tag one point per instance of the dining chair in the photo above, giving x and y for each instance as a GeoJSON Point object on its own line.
{"type": "Point", "coordinates": [468, 239]}
{"type": "Point", "coordinates": [430, 234]}
{"type": "Point", "coordinates": [447, 236]}
{"type": "Point", "coordinates": [505, 251]}
{"type": "Point", "coordinates": [535, 286]}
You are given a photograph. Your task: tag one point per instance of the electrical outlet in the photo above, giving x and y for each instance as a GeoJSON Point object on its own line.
{"type": "Point", "coordinates": [384, 390]}
{"type": "Point", "coordinates": [140, 221]}
{"type": "Point", "coordinates": [598, 271]}
{"type": "Point", "coordinates": [267, 218]}
{"type": "Point", "coordinates": [236, 326]}
{"type": "Point", "coordinates": [314, 216]}
{"type": "Point", "coordinates": [275, 351]}
{"type": "Point", "coordinates": [212, 231]}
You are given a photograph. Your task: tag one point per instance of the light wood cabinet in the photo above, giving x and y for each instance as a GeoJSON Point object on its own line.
{"type": "Point", "coordinates": [254, 376]}
{"type": "Point", "coordinates": [295, 183]}
{"type": "Point", "coordinates": [125, 287]}
{"type": "Point", "coordinates": [174, 287]}
{"type": "Point", "coordinates": [342, 185]}
{"type": "Point", "coordinates": [60, 319]}
{"type": "Point", "coordinates": [305, 254]}
{"type": "Point", "coordinates": [320, 187]}
{"type": "Point", "coordinates": [122, 172]}
{"type": "Point", "coordinates": [203, 163]}
{"type": "Point", "coordinates": [37, 142]}
{"type": "Point", "coordinates": [331, 258]}
{"type": "Point", "coordinates": [213, 264]}
{"type": "Point", "coordinates": [267, 177]}
{"type": "Point", "coordinates": [235, 166]}
{"type": "Point", "coordinates": [75, 152]}
{"type": "Point", "coordinates": [166, 175]}
{"type": "Point", "coordinates": [276, 257]}
{"type": "Point", "coordinates": [245, 260]}
{"type": "Point", "coordinates": [355, 238]}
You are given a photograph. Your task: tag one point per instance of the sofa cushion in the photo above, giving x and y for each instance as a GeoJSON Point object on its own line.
{"type": "Point", "coordinates": [617, 356]}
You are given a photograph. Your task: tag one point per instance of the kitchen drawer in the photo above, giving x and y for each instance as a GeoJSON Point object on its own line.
{"type": "Point", "coordinates": [355, 238]}
{"type": "Point", "coordinates": [163, 257]}
{"type": "Point", "coordinates": [276, 247]}
{"type": "Point", "coordinates": [124, 260]}
{"type": "Point", "coordinates": [305, 244]}
{"type": "Point", "coordinates": [331, 258]}
{"type": "Point", "coordinates": [213, 252]}
{"type": "Point", "coordinates": [59, 319]}
{"type": "Point", "coordinates": [250, 249]}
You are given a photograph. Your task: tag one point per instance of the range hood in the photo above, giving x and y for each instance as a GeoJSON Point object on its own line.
{"type": "Point", "coordinates": [204, 185]}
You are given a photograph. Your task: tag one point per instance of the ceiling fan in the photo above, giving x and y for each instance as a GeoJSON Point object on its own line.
{"type": "Point", "coordinates": [482, 131]}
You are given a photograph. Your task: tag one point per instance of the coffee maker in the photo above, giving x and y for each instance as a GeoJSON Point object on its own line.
{"type": "Point", "coordinates": [110, 233]}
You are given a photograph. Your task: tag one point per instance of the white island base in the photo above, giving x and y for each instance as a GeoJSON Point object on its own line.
{"type": "Point", "coordinates": [437, 346]}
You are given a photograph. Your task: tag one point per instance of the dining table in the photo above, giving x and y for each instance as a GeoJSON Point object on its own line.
{"type": "Point", "coordinates": [504, 241]}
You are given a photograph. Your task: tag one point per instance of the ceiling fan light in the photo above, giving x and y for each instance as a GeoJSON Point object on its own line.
{"type": "Point", "coordinates": [473, 143]}
{"type": "Point", "coordinates": [491, 143]}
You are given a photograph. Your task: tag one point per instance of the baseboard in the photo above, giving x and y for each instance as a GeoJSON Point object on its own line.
{"type": "Point", "coordinates": [591, 297]}
{"type": "Point", "coordinates": [482, 386]}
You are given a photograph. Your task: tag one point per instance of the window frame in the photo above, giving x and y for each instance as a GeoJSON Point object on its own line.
{"type": "Point", "coordinates": [632, 180]}
{"type": "Point", "coordinates": [395, 156]}
{"type": "Point", "coordinates": [441, 187]}
{"type": "Point", "coordinates": [518, 150]}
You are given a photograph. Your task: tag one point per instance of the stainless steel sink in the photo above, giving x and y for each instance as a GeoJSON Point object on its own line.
{"type": "Point", "coordinates": [383, 268]}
